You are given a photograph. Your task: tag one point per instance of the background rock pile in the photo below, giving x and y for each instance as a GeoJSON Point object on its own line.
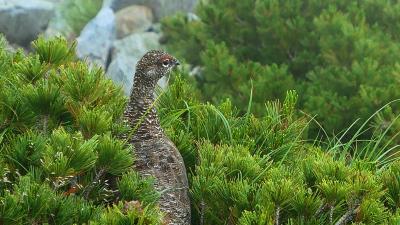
{"type": "Point", "coordinates": [117, 34]}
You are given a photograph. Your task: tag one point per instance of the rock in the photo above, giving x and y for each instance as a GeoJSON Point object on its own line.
{"type": "Point", "coordinates": [155, 27]}
{"type": "Point", "coordinates": [161, 8]}
{"type": "Point", "coordinates": [97, 37]}
{"type": "Point", "coordinates": [108, 3]}
{"type": "Point", "coordinates": [196, 71]}
{"type": "Point", "coordinates": [133, 19]}
{"type": "Point", "coordinates": [58, 26]}
{"type": "Point", "coordinates": [192, 17]}
{"type": "Point", "coordinates": [56, 1]}
{"type": "Point", "coordinates": [126, 53]}
{"type": "Point", "coordinates": [22, 21]}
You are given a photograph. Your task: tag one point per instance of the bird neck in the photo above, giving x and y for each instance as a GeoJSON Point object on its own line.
{"type": "Point", "coordinates": [141, 112]}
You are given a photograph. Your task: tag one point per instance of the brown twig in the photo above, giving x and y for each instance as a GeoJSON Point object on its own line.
{"type": "Point", "coordinates": [202, 208]}
{"type": "Point", "coordinates": [321, 209]}
{"type": "Point", "coordinates": [277, 214]}
{"type": "Point", "coordinates": [350, 214]}
{"type": "Point", "coordinates": [45, 123]}
{"type": "Point", "coordinates": [89, 188]}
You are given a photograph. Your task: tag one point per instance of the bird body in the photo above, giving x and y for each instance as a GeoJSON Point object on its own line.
{"type": "Point", "coordinates": [156, 155]}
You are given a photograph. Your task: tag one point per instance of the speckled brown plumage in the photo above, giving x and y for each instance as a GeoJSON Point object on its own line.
{"type": "Point", "coordinates": [156, 155]}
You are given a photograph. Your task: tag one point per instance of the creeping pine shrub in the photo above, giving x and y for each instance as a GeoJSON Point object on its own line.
{"type": "Point", "coordinates": [60, 159]}
{"type": "Point", "coordinates": [341, 56]}
{"type": "Point", "coordinates": [61, 163]}
{"type": "Point", "coordinates": [251, 170]}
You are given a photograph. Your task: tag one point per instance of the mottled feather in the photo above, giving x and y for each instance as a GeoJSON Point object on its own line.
{"type": "Point", "coordinates": [156, 155]}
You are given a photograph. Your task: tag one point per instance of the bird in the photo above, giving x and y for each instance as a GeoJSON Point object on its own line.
{"type": "Point", "coordinates": [156, 155]}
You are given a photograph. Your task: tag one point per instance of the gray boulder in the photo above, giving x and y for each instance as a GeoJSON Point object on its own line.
{"type": "Point", "coordinates": [96, 38]}
{"type": "Point", "coordinates": [22, 21]}
{"type": "Point", "coordinates": [126, 53]}
{"type": "Point", "coordinates": [58, 25]}
{"type": "Point", "coordinates": [133, 19]}
{"type": "Point", "coordinates": [161, 8]}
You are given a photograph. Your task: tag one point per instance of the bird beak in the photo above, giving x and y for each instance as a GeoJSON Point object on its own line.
{"type": "Point", "coordinates": [177, 63]}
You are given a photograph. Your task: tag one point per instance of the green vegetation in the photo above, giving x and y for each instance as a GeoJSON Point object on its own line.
{"type": "Point", "coordinates": [60, 160]}
{"type": "Point", "coordinates": [248, 170]}
{"type": "Point", "coordinates": [341, 56]}
{"type": "Point", "coordinates": [248, 156]}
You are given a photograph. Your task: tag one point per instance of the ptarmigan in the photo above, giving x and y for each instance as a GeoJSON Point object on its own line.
{"type": "Point", "coordinates": [156, 155]}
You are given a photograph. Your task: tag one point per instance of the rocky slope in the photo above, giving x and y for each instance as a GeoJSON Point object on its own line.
{"type": "Point", "coordinates": [115, 38]}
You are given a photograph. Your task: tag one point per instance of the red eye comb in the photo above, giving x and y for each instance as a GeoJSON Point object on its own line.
{"type": "Point", "coordinates": [166, 57]}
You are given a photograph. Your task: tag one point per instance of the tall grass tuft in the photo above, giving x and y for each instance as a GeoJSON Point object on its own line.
{"type": "Point", "coordinates": [379, 151]}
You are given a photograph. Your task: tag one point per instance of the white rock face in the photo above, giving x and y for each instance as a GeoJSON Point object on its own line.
{"type": "Point", "coordinates": [161, 8]}
{"type": "Point", "coordinates": [96, 38]}
{"type": "Point", "coordinates": [22, 20]}
{"type": "Point", "coordinates": [133, 19]}
{"type": "Point", "coordinates": [125, 55]}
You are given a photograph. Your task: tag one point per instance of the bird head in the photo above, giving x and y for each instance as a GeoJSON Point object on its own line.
{"type": "Point", "coordinates": [154, 65]}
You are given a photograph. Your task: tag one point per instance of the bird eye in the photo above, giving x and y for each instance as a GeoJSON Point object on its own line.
{"type": "Point", "coordinates": [165, 63]}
